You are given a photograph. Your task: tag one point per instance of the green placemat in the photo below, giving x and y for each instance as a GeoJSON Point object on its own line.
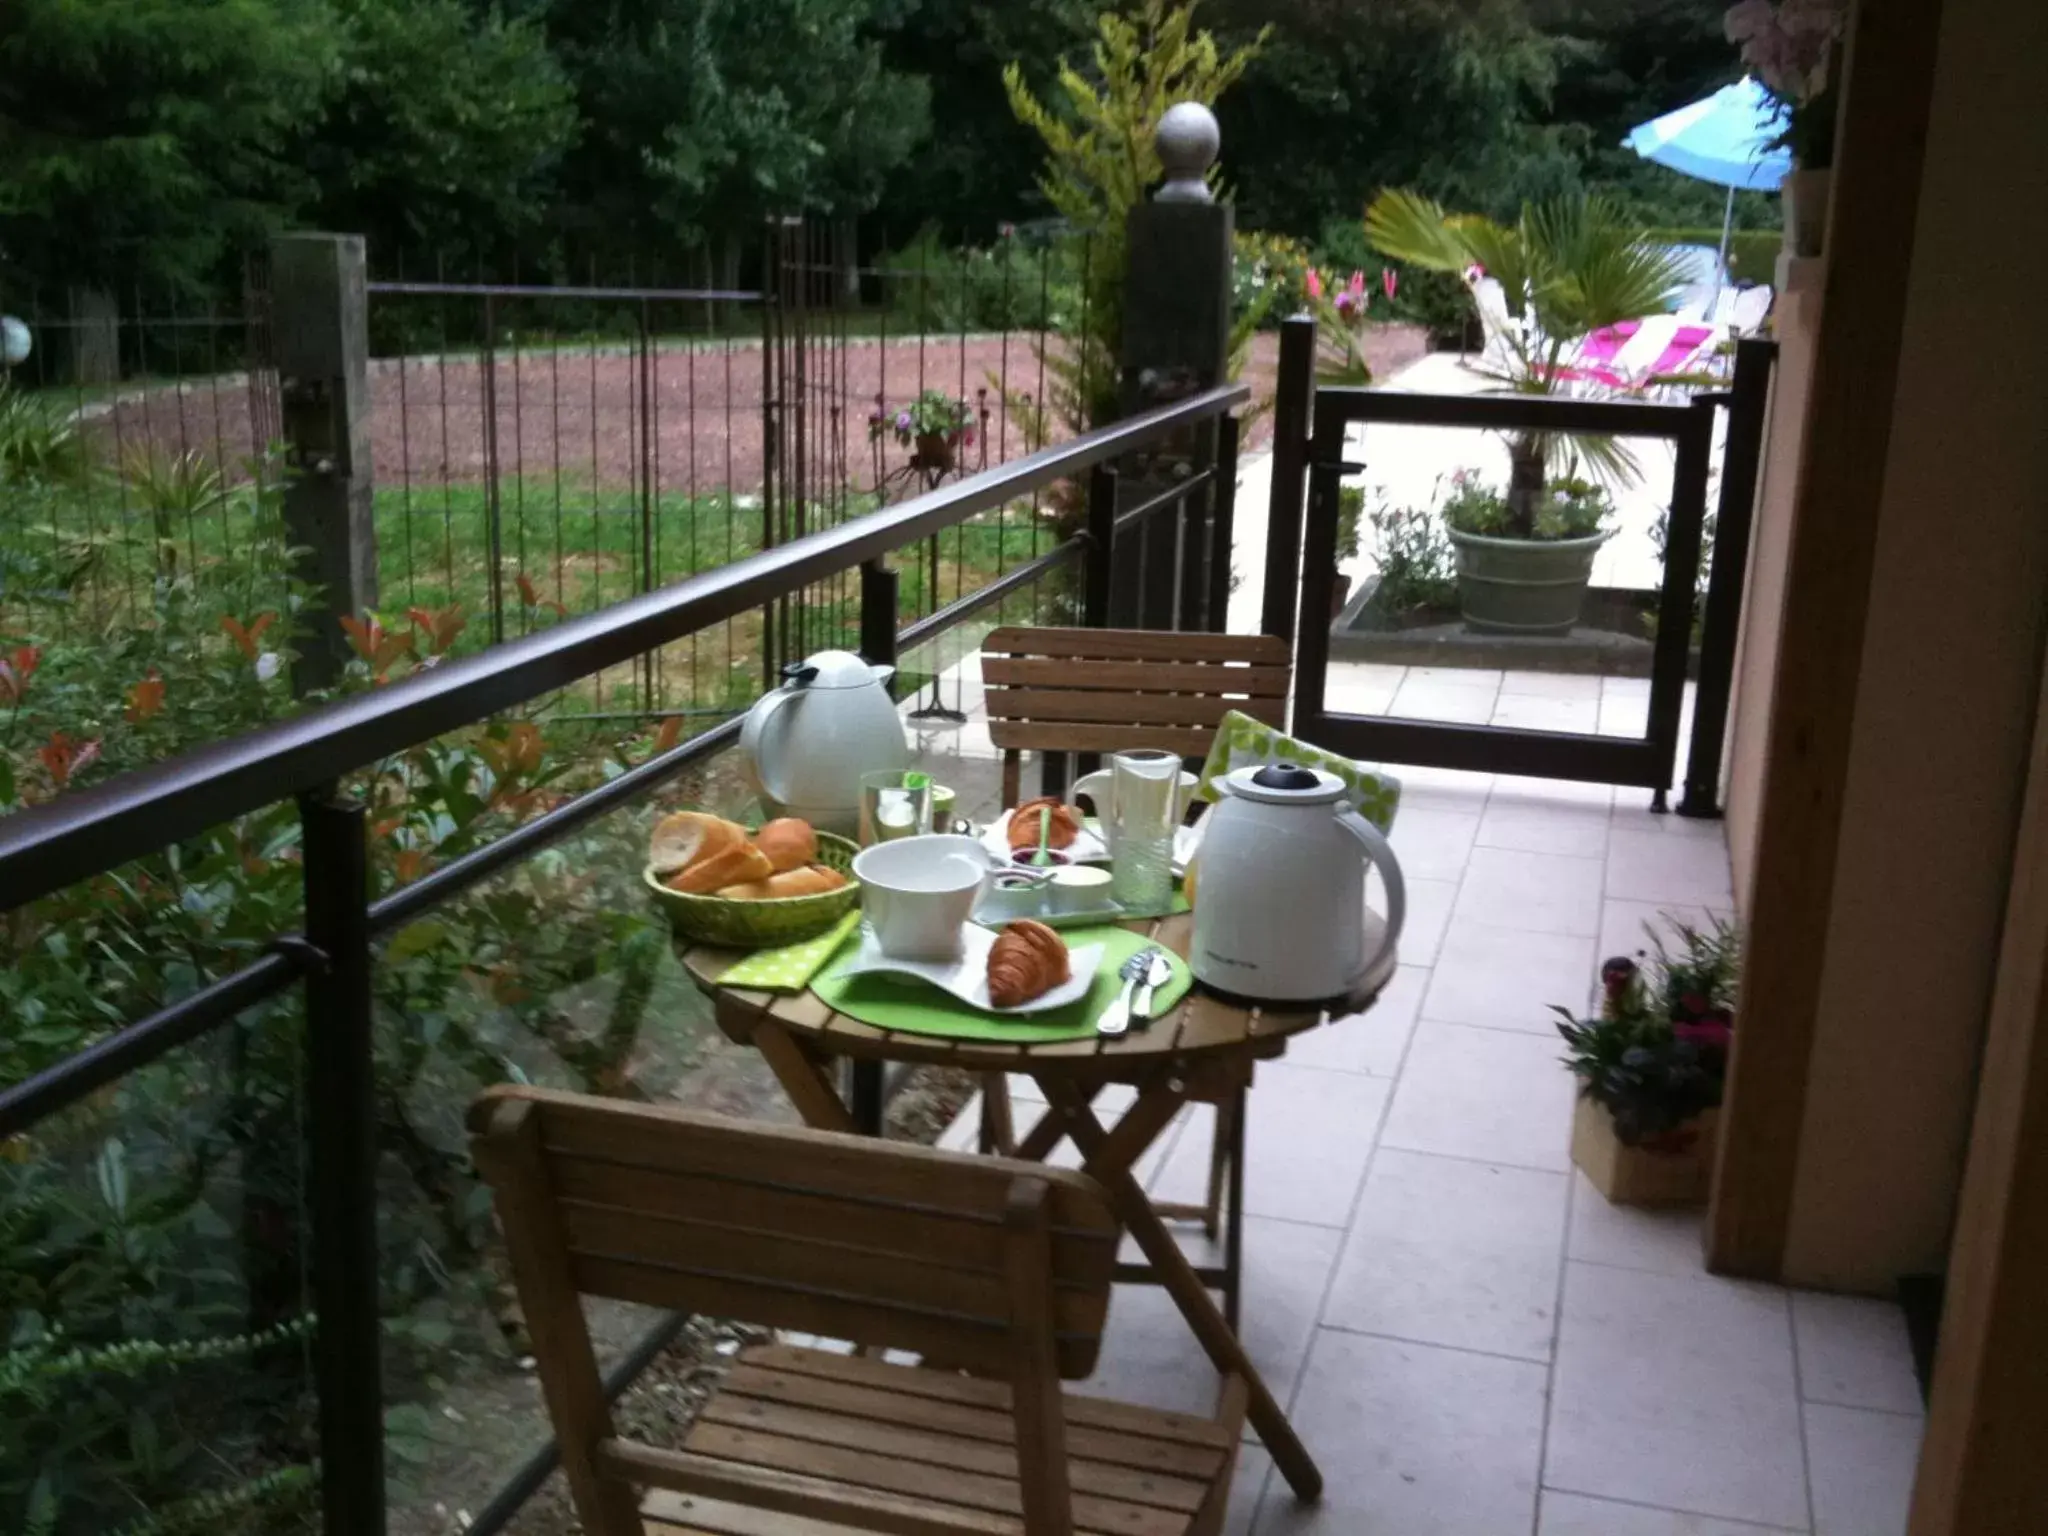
{"type": "Point", "coordinates": [903, 1002]}
{"type": "Point", "coordinates": [790, 967]}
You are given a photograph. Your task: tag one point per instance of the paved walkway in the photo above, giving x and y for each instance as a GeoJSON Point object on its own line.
{"type": "Point", "coordinates": [1471, 1340]}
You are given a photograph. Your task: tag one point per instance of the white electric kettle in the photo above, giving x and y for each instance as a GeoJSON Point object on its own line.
{"type": "Point", "coordinates": [807, 743]}
{"type": "Point", "coordinates": [1280, 911]}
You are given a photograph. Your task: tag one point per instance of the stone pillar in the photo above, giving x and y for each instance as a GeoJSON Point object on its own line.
{"type": "Point", "coordinates": [321, 338]}
{"type": "Point", "coordinates": [1176, 343]}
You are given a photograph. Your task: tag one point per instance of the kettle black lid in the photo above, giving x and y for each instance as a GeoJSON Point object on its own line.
{"type": "Point", "coordinates": [1285, 776]}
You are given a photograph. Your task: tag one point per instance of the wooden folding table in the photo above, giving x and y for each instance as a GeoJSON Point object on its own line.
{"type": "Point", "coordinates": [1202, 1051]}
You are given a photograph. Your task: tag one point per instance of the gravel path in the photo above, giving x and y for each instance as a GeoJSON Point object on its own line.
{"type": "Point", "coordinates": [578, 414]}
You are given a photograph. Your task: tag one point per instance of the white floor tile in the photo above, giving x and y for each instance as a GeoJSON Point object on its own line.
{"type": "Point", "coordinates": [1530, 712]}
{"type": "Point", "coordinates": [1524, 793]}
{"type": "Point", "coordinates": [1651, 866]}
{"type": "Point", "coordinates": [1413, 1441]}
{"type": "Point", "coordinates": [1443, 1251]}
{"type": "Point", "coordinates": [1540, 892]}
{"type": "Point", "coordinates": [1372, 1042]}
{"type": "Point", "coordinates": [1625, 717]}
{"type": "Point", "coordinates": [1665, 1242]}
{"type": "Point", "coordinates": [1490, 1094]}
{"type": "Point", "coordinates": [1637, 688]}
{"type": "Point", "coordinates": [1506, 978]}
{"type": "Point", "coordinates": [1577, 830]}
{"type": "Point", "coordinates": [1247, 1485]}
{"type": "Point", "coordinates": [1853, 1353]}
{"type": "Point", "coordinates": [1433, 844]}
{"type": "Point", "coordinates": [1429, 913]}
{"type": "Point", "coordinates": [1632, 813]}
{"type": "Point", "coordinates": [1551, 685]}
{"type": "Point", "coordinates": [1366, 674]}
{"type": "Point", "coordinates": [1358, 696]}
{"type": "Point", "coordinates": [1452, 789]}
{"type": "Point", "coordinates": [1458, 677]}
{"type": "Point", "coordinates": [1573, 1514]}
{"type": "Point", "coordinates": [1677, 1392]}
{"type": "Point", "coordinates": [1305, 1147]}
{"type": "Point", "coordinates": [1862, 1466]}
{"type": "Point", "coordinates": [1444, 702]}
{"type": "Point", "coordinates": [1622, 923]}
{"type": "Point", "coordinates": [1150, 1357]}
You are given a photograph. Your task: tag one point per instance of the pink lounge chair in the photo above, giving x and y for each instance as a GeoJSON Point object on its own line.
{"type": "Point", "coordinates": [1597, 352]}
{"type": "Point", "coordinates": [1683, 347]}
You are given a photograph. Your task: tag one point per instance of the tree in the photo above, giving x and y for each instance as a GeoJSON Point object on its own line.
{"type": "Point", "coordinates": [140, 141]}
{"type": "Point", "coordinates": [703, 116]}
{"type": "Point", "coordinates": [445, 130]}
{"type": "Point", "coordinates": [1567, 266]}
{"type": "Point", "coordinates": [1100, 159]}
{"type": "Point", "coordinates": [1446, 95]}
{"type": "Point", "coordinates": [980, 169]}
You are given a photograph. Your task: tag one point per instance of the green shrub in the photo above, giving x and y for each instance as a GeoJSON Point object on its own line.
{"type": "Point", "coordinates": [1571, 508]}
{"type": "Point", "coordinates": [1418, 569]}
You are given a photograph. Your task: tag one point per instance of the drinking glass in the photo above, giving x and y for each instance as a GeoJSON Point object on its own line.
{"type": "Point", "coordinates": [1138, 824]}
{"type": "Point", "coordinates": [894, 802]}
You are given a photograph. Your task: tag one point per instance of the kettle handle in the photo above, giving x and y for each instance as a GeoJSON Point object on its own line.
{"type": "Point", "coordinates": [1381, 852]}
{"type": "Point", "coordinates": [755, 725]}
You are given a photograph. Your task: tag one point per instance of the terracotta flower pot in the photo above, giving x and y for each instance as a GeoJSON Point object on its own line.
{"type": "Point", "coordinates": [1674, 1170]}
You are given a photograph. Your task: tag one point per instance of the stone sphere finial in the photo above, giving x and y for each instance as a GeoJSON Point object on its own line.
{"type": "Point", "coordinates": [1187, 139]}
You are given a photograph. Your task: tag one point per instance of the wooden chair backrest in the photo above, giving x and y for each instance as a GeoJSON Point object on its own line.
{"type": "Point", "coordinates": [847, 1238]}
{"type": "Point", "coordinates": [1112, 690]}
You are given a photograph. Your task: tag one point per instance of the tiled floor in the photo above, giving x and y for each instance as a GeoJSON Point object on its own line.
{"type": "Point", "coordinates": [1469, 1338]}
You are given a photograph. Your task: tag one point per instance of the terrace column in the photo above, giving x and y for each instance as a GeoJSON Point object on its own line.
{"type": "Point", "coordinates": [320, 326]}
{"type": "Point", "coordinates": [1176, 343]}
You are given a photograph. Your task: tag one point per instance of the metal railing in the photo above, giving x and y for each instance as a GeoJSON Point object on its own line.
{"type": "Point", "coordinates": [80, 835]}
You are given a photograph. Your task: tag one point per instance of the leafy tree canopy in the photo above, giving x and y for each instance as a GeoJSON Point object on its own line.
{"type": "Point", "coordinates": [139, 139]}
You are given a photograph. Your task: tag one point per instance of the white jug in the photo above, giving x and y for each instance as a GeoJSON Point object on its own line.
{"type": "Point", "coordinates": [806, 743]}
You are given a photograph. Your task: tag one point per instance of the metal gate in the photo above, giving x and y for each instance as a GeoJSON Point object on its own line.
{"type": "Point", "coordinates": [1311, 454]}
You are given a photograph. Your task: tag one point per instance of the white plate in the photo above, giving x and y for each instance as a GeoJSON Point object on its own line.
{"type": "Point", "coordinates": [1088, 846]}
{"type": "Point", "coordinates": [967, 977]}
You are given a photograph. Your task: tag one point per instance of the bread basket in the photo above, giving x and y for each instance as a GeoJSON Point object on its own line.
{"type": "Point", "coordinates": [763, 924]}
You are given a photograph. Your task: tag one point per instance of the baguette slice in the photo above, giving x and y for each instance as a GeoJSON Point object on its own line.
{"type": "Point", "coordinates": [682, 839]}
{"type": "Point", "coordinates": [811, 880]}
{"type": "Point", "coordinates": [730, 866]}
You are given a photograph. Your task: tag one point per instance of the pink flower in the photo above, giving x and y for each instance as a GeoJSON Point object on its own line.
{"type": "Point", "coordinates": [1389, 281]}
{"type": "Point", "coordinates": [1707, 1034]}
{"type": "Point", "coordinates": [1313, 281]}
{"type": "Point", "coordinates": [1351, 298]}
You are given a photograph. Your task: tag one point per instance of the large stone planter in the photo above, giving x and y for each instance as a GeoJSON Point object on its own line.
{"type": "Point", "coordinates": [1805, 198]}
{"type": "Point", "coordinates": [1523, 586]}
{"type": "Point", "coordinates": [1675, 1170]}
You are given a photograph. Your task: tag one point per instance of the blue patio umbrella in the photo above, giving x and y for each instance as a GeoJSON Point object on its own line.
{"type": "Point", "coordinates": [1725, 138]}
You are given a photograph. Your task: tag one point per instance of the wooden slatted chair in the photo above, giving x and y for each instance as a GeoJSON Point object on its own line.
{"type": "Point", "coordinates": [1061, 691]}
{"type": "Point", "coordinates": [999, 1268]}
{"type": "Point", "coordinates": [1108, 690]}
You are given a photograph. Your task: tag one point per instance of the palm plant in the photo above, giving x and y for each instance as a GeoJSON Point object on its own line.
{"type": "Point", "coordinates": [1567, 267]}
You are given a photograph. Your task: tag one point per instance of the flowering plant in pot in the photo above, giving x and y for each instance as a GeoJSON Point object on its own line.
{"type": "Point", "coordinates": [1525, 571]}
{"type": "Point", "coordinates": [1565, 268]}
{"type": "Point", "coordinates": [1651, 1064]}
{"type": "Point", "coordinates": [935, 423]}
{"type": "Point", "coordinates": [1791, 45]}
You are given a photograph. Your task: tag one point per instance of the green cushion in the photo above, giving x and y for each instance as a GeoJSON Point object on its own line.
{"type": "Point", "coordinates": [1242, 742]}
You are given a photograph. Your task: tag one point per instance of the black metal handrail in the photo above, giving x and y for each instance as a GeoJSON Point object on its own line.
{"type": "Point", "coordinates": [47, 847]}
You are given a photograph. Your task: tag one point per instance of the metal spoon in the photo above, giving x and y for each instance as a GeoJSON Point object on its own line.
{"type": "Point", "coordinates": [1157, 973]}
{"type": "Point", "coordinates": [1116, 1018]}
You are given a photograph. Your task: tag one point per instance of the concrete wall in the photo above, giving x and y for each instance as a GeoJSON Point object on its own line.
{"type": "Point", "coordinates": [1795, 321]}
{"type": "Point", "coordinates": [1945, 694]}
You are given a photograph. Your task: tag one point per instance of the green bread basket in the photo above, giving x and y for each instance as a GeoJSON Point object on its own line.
{"type": "Point", "coordinates": [763, 924]}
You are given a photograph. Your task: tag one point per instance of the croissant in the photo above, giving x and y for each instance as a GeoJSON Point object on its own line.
{"type": "Point", "coordinates": [1063, 827]}
{"type": "Point", "coordinates": [1027, 960]}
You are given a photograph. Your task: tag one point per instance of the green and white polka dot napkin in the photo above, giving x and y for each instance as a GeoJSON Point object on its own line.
{"type": "Point", "coordinates": [791, 967]}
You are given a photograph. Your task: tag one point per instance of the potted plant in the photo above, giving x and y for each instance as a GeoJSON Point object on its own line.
{"type": "Point", "coordinates": [935, 425]}
{"type": "Point", "coordinates": [1519, 577]}
{"type": "Point", "coordinates": [1650, 1065]}
{"type": "Point", "coordinates": [1790, 45]}
{"type": "Point", "coordinates": [1565, 268]}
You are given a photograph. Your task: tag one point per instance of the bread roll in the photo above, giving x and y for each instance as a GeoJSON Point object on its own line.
{"type": "Point", "coordinates": [1027, 960]}
{"type": "Point", "coordinates": [682, 839]}
{"type": "Point", "coordinates": [789, 843]}
{"type": "Point", "coordinates": [1062, 826]}
{"type": "Point", "coordinates": [811, 880]}
{"type": "Point", "coordinates": [729, 866]}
